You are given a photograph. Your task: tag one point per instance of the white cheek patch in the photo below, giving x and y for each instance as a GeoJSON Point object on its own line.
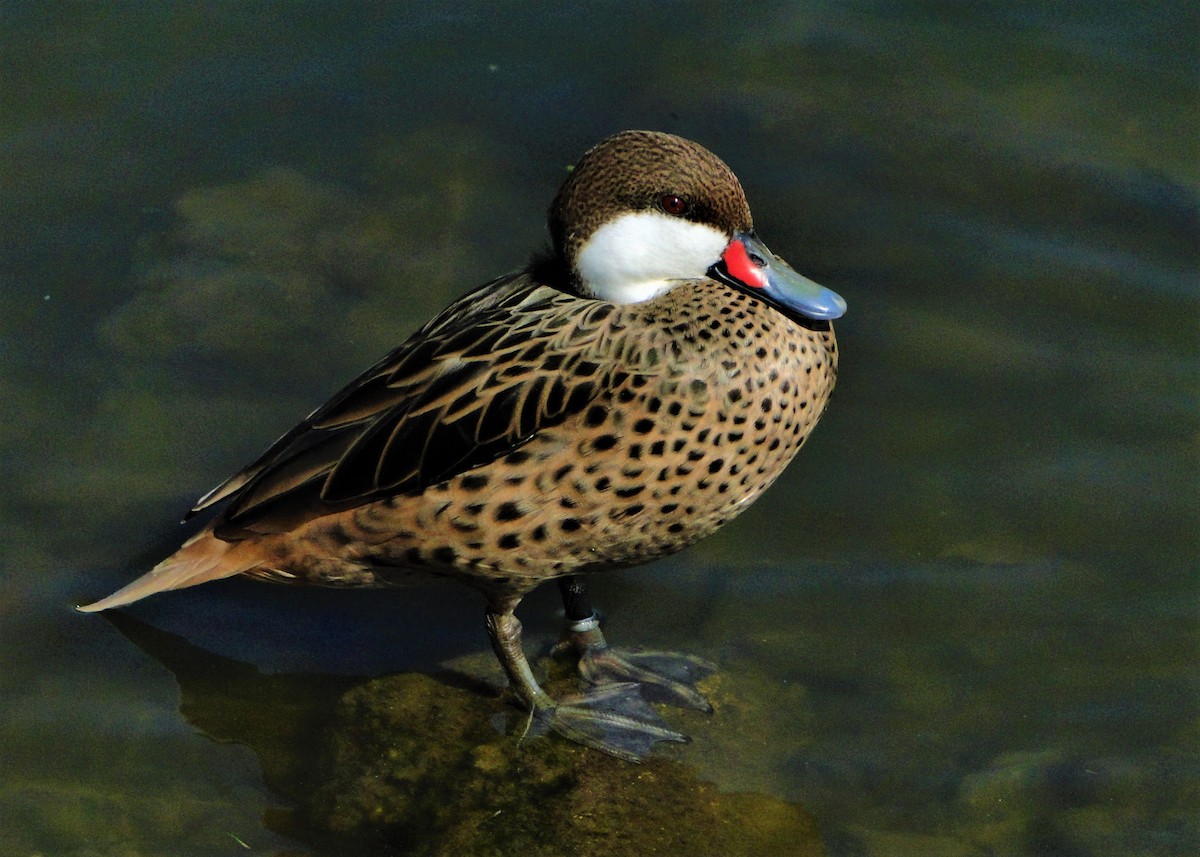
{"type": "Point", "coordinates": [640, 255]}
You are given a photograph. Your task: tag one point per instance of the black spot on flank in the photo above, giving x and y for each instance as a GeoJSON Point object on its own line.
{"type": "Point", "coordinates": [596, 415]}
{"type": "Point", "coordinates": [519, 456]}
{"type": "Point", "coordinates": [562, 472]}
{"type": "Point", "coordinates": [625, 396]}
{"type": "Point", "coordinates": [473, 482]}
{"type": "Point", "coordinates": [635, 451]}
{"type": "Point", "coordinates": [715, 465]}
{"type": "Point", "coordinates": [567, 503]}
{"type": "Point", "coordinates": [675, 528]}
{"type": "Point", "coordinates": [413, 556]}
{"type": "Point", "coordinates": [570, 525]}
{"type": "Point", "coordinates": [632, 491]}
{"type": "Point", "coordinates": [603, 483]}
{"type": "Point", "coordinates": [508, 541]}
{"type": "Point", "coordinates": [657, 447]}
{"type": "Point", "coordinates": [674, 408]}
{"type": "Point", "coordinates": [654, 405]}
{"type": "Point", "coordinates": [644, 426]}
{"type": "Point", "coordinates": [696, 454]}
{"type": "Point", "coordinates": [539, 533]}
{"type": "Point", "coordinates": [445, 555]}
{"type": "Point", "coordinates": [604, 442]}
{"type": "Point", "coordinates": [669, 508]}
{"type": "Point", "coordinates": [767, 404]}
{"type": "Point", "coordinates": [508, 512]}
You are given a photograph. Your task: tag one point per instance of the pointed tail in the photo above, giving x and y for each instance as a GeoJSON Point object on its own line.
{"type": "Point", "coordinates": [202, 558]}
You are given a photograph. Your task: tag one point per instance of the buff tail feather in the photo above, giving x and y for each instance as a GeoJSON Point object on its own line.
{"type": "Point", "coordinates": [202, 558]}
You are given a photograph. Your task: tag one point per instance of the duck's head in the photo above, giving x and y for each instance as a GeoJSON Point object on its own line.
{"type": "Point", "coordinates": [644, 211]}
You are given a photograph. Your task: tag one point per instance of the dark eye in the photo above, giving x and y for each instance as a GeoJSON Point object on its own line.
{"type": "Point", "coordinates": [676, 206]}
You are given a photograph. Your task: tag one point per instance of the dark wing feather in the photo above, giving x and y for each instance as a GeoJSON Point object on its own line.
{"type": "Point", "coordinates": [475, 383]}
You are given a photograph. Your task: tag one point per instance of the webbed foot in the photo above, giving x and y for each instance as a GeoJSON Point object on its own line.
{"type": "Point", "coordinates": [667, 677]}
{"type": "Point", "coordinates": [612, 718]}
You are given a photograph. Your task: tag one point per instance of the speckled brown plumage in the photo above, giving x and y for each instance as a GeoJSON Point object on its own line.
{"type": "Point", "coordinates": [532, 431]}
{"type": "Point", "coordinates": [665, 422]}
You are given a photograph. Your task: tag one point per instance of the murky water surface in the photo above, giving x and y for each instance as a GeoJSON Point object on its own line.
{"type": "Point", "coordinates": [964, 622]}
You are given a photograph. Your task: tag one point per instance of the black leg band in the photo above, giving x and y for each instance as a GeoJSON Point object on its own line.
{"type": "Point", "coordinates": [575, 599]}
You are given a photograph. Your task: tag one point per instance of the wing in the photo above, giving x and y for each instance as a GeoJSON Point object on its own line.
{"type": "Point", "coordinates": [474, 384]}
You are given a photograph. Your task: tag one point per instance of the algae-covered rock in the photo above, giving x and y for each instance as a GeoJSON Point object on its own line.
{"type": "Point", "coordinates": [252, 269]}
{"type": "Point", "coordinates": [1052, 801]}
{"type": "Point", "coordinates": [413, 766]}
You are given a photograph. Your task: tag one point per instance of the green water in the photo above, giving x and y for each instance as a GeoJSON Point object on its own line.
{"type": "Point", "coordinates": [964, 622]}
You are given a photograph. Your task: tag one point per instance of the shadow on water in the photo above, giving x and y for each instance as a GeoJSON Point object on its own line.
{"type": "Point", "coordinates": [409, 764]}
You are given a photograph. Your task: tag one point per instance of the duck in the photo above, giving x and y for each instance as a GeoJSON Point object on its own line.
{"type": "Point", "coordinates": [624, 395]}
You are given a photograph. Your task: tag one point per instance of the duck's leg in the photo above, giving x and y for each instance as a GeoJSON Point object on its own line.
{"type": "Point", "coordinates": [669, 677]}
{"type": "Point", "coordinates": [614, 718]}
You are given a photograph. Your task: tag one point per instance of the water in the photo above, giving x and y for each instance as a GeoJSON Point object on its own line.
{"type": "Point", "coordinates": [968, 610]}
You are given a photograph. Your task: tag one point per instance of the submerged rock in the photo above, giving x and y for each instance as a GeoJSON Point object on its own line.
{"type": "Point", "coordinates": [413, 766]}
